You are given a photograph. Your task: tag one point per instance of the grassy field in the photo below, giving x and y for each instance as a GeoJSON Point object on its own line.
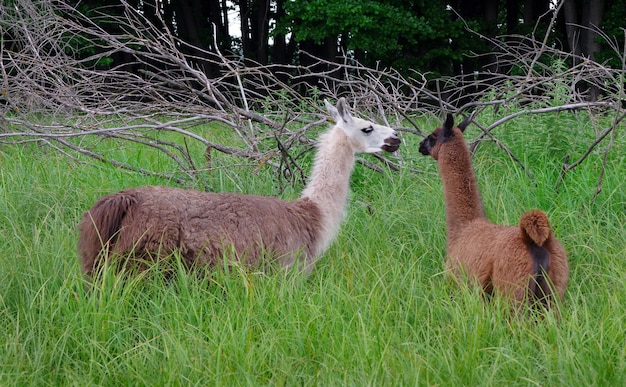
{"type": "Point", "coordinates": [377, 309]}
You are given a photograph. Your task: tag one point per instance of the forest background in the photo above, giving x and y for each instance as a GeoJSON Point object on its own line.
{"type": "Point", "coordinates": [426, 36]}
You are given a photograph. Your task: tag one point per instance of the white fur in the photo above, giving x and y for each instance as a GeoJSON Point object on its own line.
{"type": "Point", "coordinates": [330, 177]}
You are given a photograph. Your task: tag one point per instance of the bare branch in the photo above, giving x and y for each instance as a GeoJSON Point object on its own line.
{"type": "Point", "coordinates": [55, 92]}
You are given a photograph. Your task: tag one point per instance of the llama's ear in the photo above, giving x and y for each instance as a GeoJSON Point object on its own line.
{"type": "Point", "coordinates": [332, 110]}
{"type": "Point", "coordinates": [343, 110]}
{"type": "Point", "coordinates": [448, 125]}
{"type": "Point", "coordinates": [467, 121]}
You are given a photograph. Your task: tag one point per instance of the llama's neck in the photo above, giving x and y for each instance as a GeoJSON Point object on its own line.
{"type": "Point", "coordinates": [330, 181]}
{"type": "Point", "coordinates": [463, 203]}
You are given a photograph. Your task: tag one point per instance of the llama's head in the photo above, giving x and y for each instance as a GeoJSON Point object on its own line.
{"type": "Point", "coordinates": [365, 136]}
{"type": "Point", "coordinates": [447, 133]}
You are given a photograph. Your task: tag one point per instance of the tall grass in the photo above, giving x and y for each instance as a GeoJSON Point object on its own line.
{"type": "Point", "coordinates": [377, 309]}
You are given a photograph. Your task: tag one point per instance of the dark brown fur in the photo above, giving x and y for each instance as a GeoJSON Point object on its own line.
{"type": "Point", "coordinates": [515, 261]}
{"type": "Point", "coordinates": [202, 226]}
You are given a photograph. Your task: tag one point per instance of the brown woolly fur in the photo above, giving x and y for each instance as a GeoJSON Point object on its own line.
{"type": "Point", "coordinates": [207, 228]}
{"type": "Point", "coordinates": [523, 263]}
{"type": "Point", "coordinates": [153, 219]}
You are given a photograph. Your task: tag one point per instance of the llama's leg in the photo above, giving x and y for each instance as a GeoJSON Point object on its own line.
{"type": "Point", "coordinates": [470, 272]}
{"type": "Point", "coordinates": [298, 262]}
{"type": "Point", "coordinates": [145, 245]}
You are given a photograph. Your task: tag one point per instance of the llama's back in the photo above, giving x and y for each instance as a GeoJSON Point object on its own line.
{"type": "Point", "coordinates": [251, 225]}
{"type": "Point", "coordinates": [204, 226]}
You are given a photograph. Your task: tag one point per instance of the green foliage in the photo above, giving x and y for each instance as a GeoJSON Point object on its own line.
{"type": "Point", "coordinates": [559, 90]}
{"type": "Point", "coordinates": [377, 310]}
{"type": "Point", "coordinates": [405, 34]}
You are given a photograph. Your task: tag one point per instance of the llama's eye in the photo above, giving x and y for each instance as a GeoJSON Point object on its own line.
{"type": "Point", "coordinates": [367, 130]}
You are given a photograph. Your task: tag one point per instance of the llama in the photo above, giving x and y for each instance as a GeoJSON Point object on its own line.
{"type": "Point", "coordinates": [524, 263]}
{"type": "Point", "coordinates": [151, 221]}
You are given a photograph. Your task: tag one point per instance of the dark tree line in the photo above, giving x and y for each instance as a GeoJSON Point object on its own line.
{"type": "Point", "coordinates": [436, 38]}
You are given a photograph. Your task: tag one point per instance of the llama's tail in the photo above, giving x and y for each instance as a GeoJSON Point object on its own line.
{"type": "Point", "coordinates": [536, 230]}
{"type": "Point", "coordinates": [536, 227]}
{"type": "Point", "coordinates": [100, 226]}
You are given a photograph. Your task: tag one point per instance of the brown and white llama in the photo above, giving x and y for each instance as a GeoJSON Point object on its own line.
{"type": "Point", "coordinates": [207, 228]}
{"type": "Point", "coordinates": [524, 262]}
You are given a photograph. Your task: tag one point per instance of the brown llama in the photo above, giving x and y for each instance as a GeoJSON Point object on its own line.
{"type": "Point", "coordinates": [524, 262]}
{"type": "Point", "coordinates": [207, 228]}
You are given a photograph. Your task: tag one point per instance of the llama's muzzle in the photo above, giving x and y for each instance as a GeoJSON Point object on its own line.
{"type": "Point", "coordinates": [425, 146]}
{"type": "Point", "coordinates": [392, 144]}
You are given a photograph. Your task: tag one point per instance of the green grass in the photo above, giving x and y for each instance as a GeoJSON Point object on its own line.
{"type": "Point", "coordinates": [377, 309]}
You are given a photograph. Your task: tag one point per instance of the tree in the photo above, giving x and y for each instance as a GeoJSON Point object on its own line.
{"type": "Point", "coordinates": [282, 51]}
{"type": "Point", "coordinates": [255, 25]}
{"type": "Point", "coordinates": [193, 21]}
{"type": "Point", "coordinates": [582, 19]}
{"type": "Point", "coordinates": [613, 25]}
